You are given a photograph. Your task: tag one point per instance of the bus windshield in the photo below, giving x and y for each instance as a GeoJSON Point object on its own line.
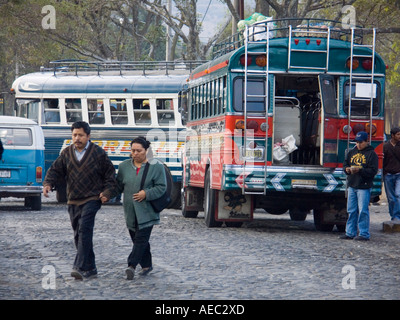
{"type": "Point", "coordinates": [28, 108]}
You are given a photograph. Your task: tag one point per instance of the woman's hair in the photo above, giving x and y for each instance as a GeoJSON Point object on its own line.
{"type": "Point", "coordinates": [142, 140]}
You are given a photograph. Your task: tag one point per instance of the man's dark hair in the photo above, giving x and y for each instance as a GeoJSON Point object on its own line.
{"type": "Point", "coordinates": [81, 124]}
{"type": "Point", "coordinates": [394, 130]}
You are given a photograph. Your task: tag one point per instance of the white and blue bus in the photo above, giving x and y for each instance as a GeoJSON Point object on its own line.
{"type": "Point", "coordinates": [120, 101]}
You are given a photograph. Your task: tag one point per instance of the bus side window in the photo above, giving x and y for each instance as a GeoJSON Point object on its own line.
{"type": "Point", "coordinates": [51, 111]}
{"type": "Point", "coordinates": [73, 108]}
{"type": "Point", "coordinates": [119, 112]}
{"type": "Point", "coordinates": [141, 109]}
{"type": "Point", "coordinates": [165, 111]}
{"type": "Point", "coordinates": [96, 111]}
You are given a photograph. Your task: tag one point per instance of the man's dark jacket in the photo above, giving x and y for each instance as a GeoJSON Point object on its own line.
{"type": "Point", "coordinates": [367, 160]}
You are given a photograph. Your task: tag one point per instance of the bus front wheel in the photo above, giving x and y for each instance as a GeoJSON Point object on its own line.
{"type": "Point", "coordinates": [209, 203]}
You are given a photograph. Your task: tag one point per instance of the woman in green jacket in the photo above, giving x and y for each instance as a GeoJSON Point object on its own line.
{"type": "Point", "coordinates": [139, 214]}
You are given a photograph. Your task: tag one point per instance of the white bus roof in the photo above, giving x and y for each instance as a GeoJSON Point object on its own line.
{"type": "Point", "coordinates": [48, 82]}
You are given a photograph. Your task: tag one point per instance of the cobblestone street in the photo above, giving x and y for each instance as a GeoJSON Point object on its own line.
{"type": "Point", "coordinates": [269, 258]}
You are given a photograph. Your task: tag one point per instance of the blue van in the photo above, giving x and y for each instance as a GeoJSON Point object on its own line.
{"type": "Point", "coordinates": [22, 161]}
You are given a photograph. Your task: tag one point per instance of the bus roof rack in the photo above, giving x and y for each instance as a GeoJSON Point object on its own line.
{"type": "Point", "coordinates": [279, 28]}
{"type": "Point", "coordinates": [122, 67]}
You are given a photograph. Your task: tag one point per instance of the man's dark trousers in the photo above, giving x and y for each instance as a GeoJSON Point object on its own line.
{"type": "Point", "coordinates": [82, 221]}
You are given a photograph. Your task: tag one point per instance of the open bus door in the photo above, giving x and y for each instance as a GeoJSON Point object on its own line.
{"type": "Point", "coordinates": [329, 116]}
{"type": "Point", "coordinates": [333, 212]}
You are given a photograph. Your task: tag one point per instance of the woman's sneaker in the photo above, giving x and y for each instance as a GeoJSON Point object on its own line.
{"type": "Point", "coordinates": [145, 271]}
{"type": "Point", "coordinates": [80, 275]}
{"type": "Point", "coordinates": [130, 273]}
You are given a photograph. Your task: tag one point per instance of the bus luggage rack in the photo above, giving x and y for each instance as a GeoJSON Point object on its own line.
{"type": "Point", "coordinates": [122, 67]}
{"type": "Point", "coordinates": [280, 29]}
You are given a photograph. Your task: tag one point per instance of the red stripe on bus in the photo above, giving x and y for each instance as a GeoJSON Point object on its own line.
{"type": "Point", "coordinates": [209, 70]}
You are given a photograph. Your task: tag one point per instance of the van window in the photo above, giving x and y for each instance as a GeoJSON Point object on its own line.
{"type": "Point", "coordinates": [51, 111]}
{"type": "Point", "coordinates": [96, 111]}
{"type": "Point", "coordinates": [16, 137]}
{"type": "Point", "coordinates": [73, 108]}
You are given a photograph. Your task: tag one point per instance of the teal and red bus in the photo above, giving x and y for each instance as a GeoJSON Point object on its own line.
{"type": "Point", "coordinates": [120, 100]}
{"type": "Point", "coordinates": [271, 117]}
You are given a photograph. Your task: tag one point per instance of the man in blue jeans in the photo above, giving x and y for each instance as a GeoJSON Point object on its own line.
{"type": "Point", "coordinates": [361, 166]}
{"type": "Point", "coordinates": [391, 173]}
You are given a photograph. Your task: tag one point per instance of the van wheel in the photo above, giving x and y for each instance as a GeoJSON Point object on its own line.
{"type": "Point", "coordinates": [209, 203]}
{"type": "Point", "coordinates": [35, 202]}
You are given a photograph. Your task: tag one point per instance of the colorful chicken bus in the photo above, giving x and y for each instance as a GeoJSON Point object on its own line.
{"type": "Point", "coordinates": [271, 117]}
{"type": "Point", "coordinates": [120, 100]}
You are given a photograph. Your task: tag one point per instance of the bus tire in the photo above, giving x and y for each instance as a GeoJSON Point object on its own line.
{"type": "Point", "coordinates": [318, 218]}
{"type": "Point", "coordinates": [297, 214]}
{"type": "Point", "coordinates": [209, 203]}
{"type": "Point", "coordinates": [186, 213]}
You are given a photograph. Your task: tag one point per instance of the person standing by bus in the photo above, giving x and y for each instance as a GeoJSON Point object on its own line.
{"type": "Point", "coordinates": [90, 177]}
{"type": "Point", "coordinates": [139, 214]}
{"type": "Point", "coordinates": [361, 166]}
{"type": "Point", "coordinates": [1, 149]}
{"type": "Point", "coordinates": [391, 173]}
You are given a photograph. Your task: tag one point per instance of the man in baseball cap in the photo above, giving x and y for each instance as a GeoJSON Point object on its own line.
{"type": "Point", "coordinates": [360, 166]}
{"type": "Point", "coordinates": [361, 136]}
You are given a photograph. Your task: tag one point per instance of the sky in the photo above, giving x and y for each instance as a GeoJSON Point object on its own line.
{"type": "Point", "coordinates": [215, 15]}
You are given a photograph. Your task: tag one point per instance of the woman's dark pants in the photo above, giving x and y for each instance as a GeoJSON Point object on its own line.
{"type": "Point", "coordinates": [141, 248]}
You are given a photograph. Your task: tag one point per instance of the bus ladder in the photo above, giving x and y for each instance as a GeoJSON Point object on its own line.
{"type": "Point", "coordinates": [307, 32]}
{"type": "Point", "coordinates": [363, 77]}
{"type": "Point", "coordinates": [249, 134]}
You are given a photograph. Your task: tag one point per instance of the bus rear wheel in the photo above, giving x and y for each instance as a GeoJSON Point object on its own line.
{"type": "Point", "coordinates": [209, 203]}
{"type": "Point", "coordinates": [187, 213]}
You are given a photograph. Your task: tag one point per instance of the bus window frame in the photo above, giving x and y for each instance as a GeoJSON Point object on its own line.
{"type": "Point", "coordinates": [377, 101]}
{"type": "Point", "coordinates": [122, 113]}
{"type": "Point", "coordinates": [51, 111]}
{"type": "Point", "coordinates": [200, 108]}
{"type": "Point", "coordinates": [161, 112]}
{"type": "Point", "coordinates": [81, 110]}
{"type": "Point", "coordinates": [94, 112]}
{"type": "Point", "coordinates": [249, 80]}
